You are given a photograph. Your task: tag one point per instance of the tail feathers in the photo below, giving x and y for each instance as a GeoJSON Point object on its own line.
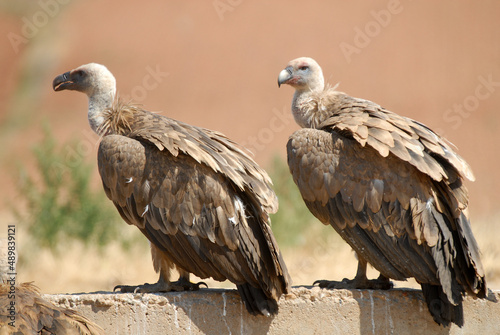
{"type": "Point", "coordinates": [473, 271]}
{"type": "Point", "coordinates": [441, 309]}
{"type": "Point", "coordinates": [256, 300]}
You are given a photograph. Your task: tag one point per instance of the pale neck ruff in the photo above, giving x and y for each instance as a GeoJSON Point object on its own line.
{"type": "Point", "coordinates": [304, 115]}
{"type": "Point", "coordinates": [98, 103]}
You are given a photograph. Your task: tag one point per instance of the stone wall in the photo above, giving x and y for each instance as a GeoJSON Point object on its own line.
{"type": "Point", "coordinates": [305, 310]}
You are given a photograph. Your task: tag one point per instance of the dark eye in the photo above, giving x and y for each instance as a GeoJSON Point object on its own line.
{"type": "Point", "coordinates": [303, 68]}
{"type": "Point", "coordinates": [78, 73]}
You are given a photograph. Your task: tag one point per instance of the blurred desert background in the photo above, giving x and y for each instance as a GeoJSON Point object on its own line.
{"type": "Point", "coordinates": [215, 64]}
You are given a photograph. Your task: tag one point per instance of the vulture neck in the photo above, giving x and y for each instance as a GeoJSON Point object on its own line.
{"type": "Point", "coordinates": [307, 107]}
{"type": "Point", "coordinates": [98, 104]}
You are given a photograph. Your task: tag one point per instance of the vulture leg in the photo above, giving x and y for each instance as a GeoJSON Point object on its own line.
{"type": "Point", "coordinates": [359, 282]}
{"type": "Point", "coordinates": [161, 285]}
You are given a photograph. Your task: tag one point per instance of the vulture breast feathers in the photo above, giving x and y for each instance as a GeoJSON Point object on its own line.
{"type": "Point", "coordinates": [390, 186]}
{"type": "Point", "coordinates": [197, 196]}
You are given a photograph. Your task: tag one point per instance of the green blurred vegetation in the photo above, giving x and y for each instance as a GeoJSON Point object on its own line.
{"type": "Point", "coordinates": [293, 222]}
{"type": "Point", "coordinates": [61, 206]}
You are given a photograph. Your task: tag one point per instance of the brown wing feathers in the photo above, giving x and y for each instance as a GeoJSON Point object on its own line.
{"type": "Point", "coordinates": [387, 132]}
{"type": "Point", "coordinates": [198, 197]}
{"type": "Point", "coordinates": [360, 181]}
{"type": "Point", "coordinates": [390, 187]}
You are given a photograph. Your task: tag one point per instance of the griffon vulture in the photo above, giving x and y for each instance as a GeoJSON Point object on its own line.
{"type": "Point", "coordinates": [198, 197]}
{"type": "Point", "coordinates": [390, 186]}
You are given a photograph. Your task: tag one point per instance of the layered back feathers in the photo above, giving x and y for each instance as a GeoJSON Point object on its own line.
{"type": "Point", "coordinates": [387, 132]}
{"type": "Point", "coordinates": [207, 147]}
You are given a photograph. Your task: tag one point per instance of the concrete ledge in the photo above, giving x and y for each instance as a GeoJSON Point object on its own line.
{"type": "Point", "coordinates": [305, 310]}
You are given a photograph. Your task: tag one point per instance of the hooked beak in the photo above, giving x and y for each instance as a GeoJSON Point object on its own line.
{"type": "Point", "coordinates": [285, 75]}
{"type": "Point", "coordinates": [62, 82]}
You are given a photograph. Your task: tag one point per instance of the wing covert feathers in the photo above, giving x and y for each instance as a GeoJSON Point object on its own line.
{"type": "Point", "coordinates": [391, 187]}
{"type": "Point", "coordinates": [205, 146]}
{"type": "Point", "coordinates": [198, 197]}
{"type": "Point", "coordinates": [372, 125]}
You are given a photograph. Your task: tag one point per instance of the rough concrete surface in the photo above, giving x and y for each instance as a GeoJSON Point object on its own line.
{"type": "Point", "coordinates": [305, 310]}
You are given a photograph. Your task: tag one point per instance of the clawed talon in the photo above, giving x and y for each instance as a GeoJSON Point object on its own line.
{"type": "Point", "coordinates": [145, 288]}
{"type": "Point", "coordinates": [374, 284]}
{"type": "Point", "coordinates": [331, 284]}
{"type": "Point", "coordinates": [178, 286]}
{"type": "Point", "coordinates": [360, 282]}
{"type": "Point", "coordinates": [197, 285]}
{"type": "Point", "coordinates": [322, 283]}
{"type": "Point", "coordinates": [126, 288]}
{"type": "Point", "coordinates": [186, 285]}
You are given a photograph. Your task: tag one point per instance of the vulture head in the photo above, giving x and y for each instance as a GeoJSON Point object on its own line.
{"type": "Point", "coordinates": [97, 83]}
{"type": "Point", "coordinates": [303, 74]}
{"type": "Point", "coordinates": [92, 79]}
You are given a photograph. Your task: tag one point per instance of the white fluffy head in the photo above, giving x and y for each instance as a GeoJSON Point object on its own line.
{"type": "Point", "coordinates": [303, 74]}
{"type": "Point", "coordinates": [92, 79]}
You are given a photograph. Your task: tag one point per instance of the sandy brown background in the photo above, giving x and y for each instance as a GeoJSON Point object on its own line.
{"type": "Point", "coordinates": [216, 65]}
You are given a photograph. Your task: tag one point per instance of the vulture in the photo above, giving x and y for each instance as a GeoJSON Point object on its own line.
{"type": "Point", "coordinates": [391, 187]}
{"type": "Point", "coordinates": [199, 198]}
{"type": "Point", "coordinates": [35, 315]}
